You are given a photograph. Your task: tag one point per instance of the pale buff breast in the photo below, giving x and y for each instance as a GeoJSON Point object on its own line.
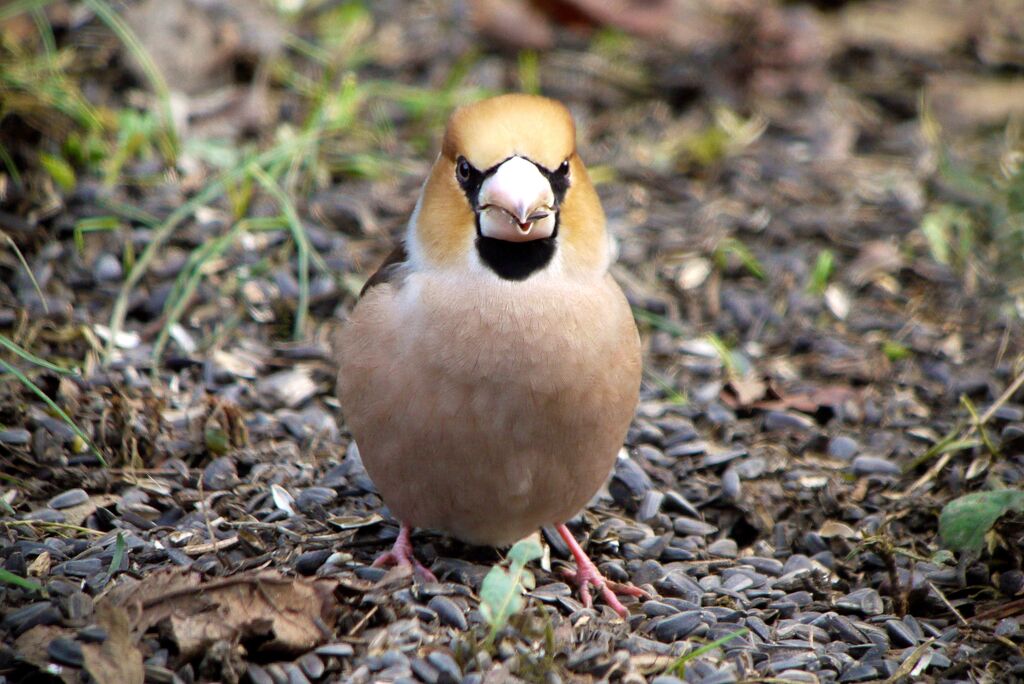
{"type": "Point", "coordinates": [488, 409]}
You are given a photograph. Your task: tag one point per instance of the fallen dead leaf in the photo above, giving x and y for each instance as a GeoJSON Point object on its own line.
{"type": "Point", "coordinates": [117, 660]}
{"type": "Point", "coordinates": [744, 392]}
{"type": "Point", "coordinates": [813, 400]}
{"type": "Point", "coordinates": [282, 614]}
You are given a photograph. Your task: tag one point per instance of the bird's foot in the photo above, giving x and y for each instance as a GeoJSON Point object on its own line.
{"type": "Point", "coordinates": [587, 575]}
{"type": "Point", "coordinates": [401, 555]}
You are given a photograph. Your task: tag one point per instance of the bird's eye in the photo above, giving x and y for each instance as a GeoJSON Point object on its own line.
{"type": "Point", "coordinates": [463, 169]}
{"type": "Point", "coordinates": [563, 168]}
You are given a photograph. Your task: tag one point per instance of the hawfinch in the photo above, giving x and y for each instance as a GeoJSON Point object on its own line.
{"type": "Point", "coordinates": [491, 367]}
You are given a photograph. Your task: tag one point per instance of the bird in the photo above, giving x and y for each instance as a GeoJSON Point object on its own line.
{"type": "Point", "coordinates": [491, 367]}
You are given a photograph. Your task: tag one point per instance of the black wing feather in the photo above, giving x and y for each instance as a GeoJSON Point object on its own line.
{"type": "Point", "coordinates": [389, 270]}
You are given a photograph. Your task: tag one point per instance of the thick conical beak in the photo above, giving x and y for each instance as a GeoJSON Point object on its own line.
{"type": "Point", "coordinates": [516, 203]}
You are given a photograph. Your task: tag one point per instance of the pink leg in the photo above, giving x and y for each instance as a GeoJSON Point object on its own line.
{"type": "Point", "coordinates": [587, 574]}
{"type": "Point", "coordinates": [401, 554]}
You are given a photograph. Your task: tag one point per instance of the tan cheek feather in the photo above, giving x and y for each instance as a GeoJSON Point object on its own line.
{"type": "Point", "coordinates": [581, 223]}
{"type": "Point", "coordinates": [446, 227]}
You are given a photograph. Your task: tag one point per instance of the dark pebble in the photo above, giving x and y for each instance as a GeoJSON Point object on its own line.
{"type": "Point", "coordinates": [692, 526]}
{"type": "Point", "coordinates": [310, 497]}
{"type": "Point", "coordinates": [312, 665]}
{"type": "Point", "coordinates": [27, 617]}
{"type": "Point", "coordinates": [858, 673]}
{"type": "Point", "coordinates": [446, 667]}
{"type": "Point", "coordinates": [309, 562]}
{"type": "Point", "coordinates": [629, 484]}
{"type": "Point", "coordinates": [84, 567]}
{"type": "Point", "coordinates": [864, 601]}
{"type": "Point", "coordinates": [843, 448]}
{"type": "Point", "coordinates": [69, 499]}
{"type": "Point", "coordinates": [677, 627]}
{"type": "Point", "coordinates": [44, 515]}
{"type": "Point", "coordinates": [684, 449]}
{"type": "Point", "coordinates": [425, 671]}
{"type": "Point", "coordinates": [338, 650]}
{"type": "Point", "coordinates": [258, 675]}
{"type": "Point", "coordinates": [66, 651]}
{"type": "Point", "coordinates": [899, 634]}
{"type": "Point", "coordinates": [15, 436]}
{"type": "Point", "coordinates": [1011, 582]}
{"type": "Point", "coordinates": [718, 458]}
{"type": "Point", "coordinates": [93, 634]}
{"type": "Point", "coordinates": [784, 421]}
{"type": "Point", "coordinates": [448, 612]}
{"type": "Point", "coordinates": [873, 465]}
{"type": "Point", "coordinates": [220, 474]}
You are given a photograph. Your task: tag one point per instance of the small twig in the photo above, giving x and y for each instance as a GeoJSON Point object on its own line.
{"type": "Point", "coordinates": [952, 608]}
{"type": "Point", "coordinates": [1003, 398]}
{"type": "Point", "coordinates": [362, 621]}
{"type": "Point", "coordinates": [208, 586]}
{"type": "Point", "coordinates": [908, 664]}
{"type": "Point", "coordinates": [46, 525]}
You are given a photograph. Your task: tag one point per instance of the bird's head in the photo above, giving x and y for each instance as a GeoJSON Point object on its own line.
{"type": "Point", "coordinates": [508, 193]}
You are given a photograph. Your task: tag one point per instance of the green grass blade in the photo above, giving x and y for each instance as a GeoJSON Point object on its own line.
{"type": "Point", "coordinates": [9, 164]}
{"type": "Point", "coordinates": [165, 230]}
{"type": "Point", "coordinates": [301, 240]}
{"type": "Point", "coordinates": [185, 287]}
{"type": "Point", "coordinates": [125, 34]}
{"type": "Point", "coordinates": [8, 577]}
{"type": "Point", "coordinates": [13, 9]}
{"type": "Point", "coordinates": [119, 548]}
{"type": "Point", "coordinates": [679, 666]}
{"type": "Point", "coordinates": [28, 271]}
{"type": "Point", "coordinates": [32, 358]}
{"type": "Point", "coordinates": [53, 407]}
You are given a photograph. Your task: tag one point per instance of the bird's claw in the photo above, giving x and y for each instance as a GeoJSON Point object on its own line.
{"type": "Point", "coordinates": [587, 575]}
{"type": "Point", "coordinates": [401, 555]}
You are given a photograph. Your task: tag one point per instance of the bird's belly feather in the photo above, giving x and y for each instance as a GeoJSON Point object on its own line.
{"type": "Point", "coordinates": [487, 412]}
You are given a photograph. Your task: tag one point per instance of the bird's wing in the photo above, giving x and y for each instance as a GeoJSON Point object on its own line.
{"type": "Point", "coordinates": [390, 270]}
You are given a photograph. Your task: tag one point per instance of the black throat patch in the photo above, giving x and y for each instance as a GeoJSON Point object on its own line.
{"type": "Point", "coordinates": [516, 260]}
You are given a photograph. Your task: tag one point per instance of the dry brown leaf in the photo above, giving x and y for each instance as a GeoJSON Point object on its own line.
{"type": "Point", "coordinates": [811, 401]}
{"type": "Point", "coordinates": [286, 613]}
{"type": "Point", "coordinates": [118, 659]}
{"type": "Point", "coordinates": [743, 392]}
{"type": "Point", "coordinates": [31, 647]}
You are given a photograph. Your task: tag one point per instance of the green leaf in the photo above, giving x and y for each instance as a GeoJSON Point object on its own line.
{"type": "Point", "coordinates": [822, 272]}
{"type": "Point", "coordinates": [894, 351]}
{"type": "Point", "coordinates": [965, 521]}
{"type": "Point", "coordinates": [524, 551]}
{"type": "Point", "coordinates": [501, 592]}
{"type": "Point", "coordinates": [60, 171]}
{"type": "Point", "coordinates": [500, 597]}
{"type": "Point", "coordinates": [9, 577]}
